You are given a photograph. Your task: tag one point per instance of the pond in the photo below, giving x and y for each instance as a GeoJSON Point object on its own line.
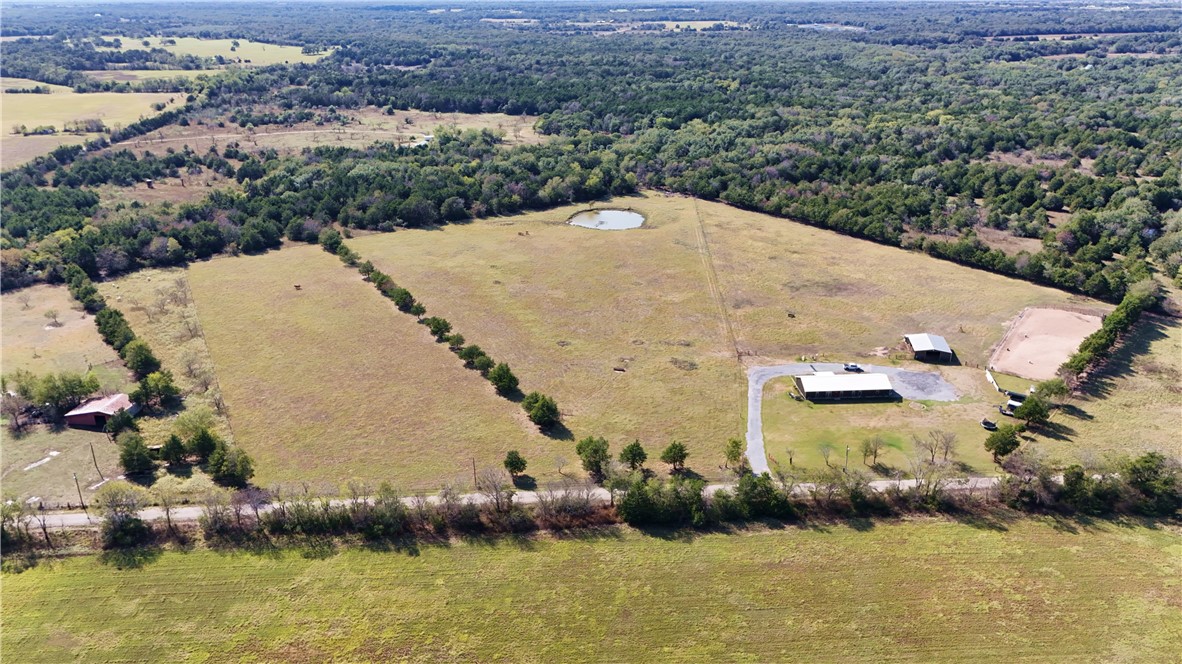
{"type": "Point", "coordinates": [608, 220]}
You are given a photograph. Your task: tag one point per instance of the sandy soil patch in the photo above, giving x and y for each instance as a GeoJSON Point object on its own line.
{"type": "Point", "coordinates": [1040, 340]}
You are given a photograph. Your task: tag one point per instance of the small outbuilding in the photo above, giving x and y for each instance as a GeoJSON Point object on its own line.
{"type": "Point", "coordinates": [829, 386]}
{"type": "Point", "coordinates": [96, 412]}
{"type": "Point", "coordinates": [929, 347]}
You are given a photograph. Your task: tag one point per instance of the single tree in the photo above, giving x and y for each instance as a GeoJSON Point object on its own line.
{"type": "Point", "coordinates": [119, 422]}
{"type": "Point", "coordinates": [189, 423]}
{"type": "Point", "coordinates": [503, 379]}
{"type": "Point", "coordinates": [167, 492]}
{"type": "Point", "coordinates": [202, 444]}
{"type": "Point", "coordinates": [1002, 442]}
{"type": "Point", "coordinates": [139, 358]}
{"type": "Point", "coordinates": [52, 315]}
{"type": "Point", "coordinates": [826, 450]}
{"type": "Point", "coordinates": [595, 455]}
{"type": "Point", "coordinates": [173, 451]}
{"type": "Point", "coordinates": [1052, 390]}
{"type": "Point", "coordinates": [633, 455]}
{"type": "Point", "coordinates": [675, 455]}
{"type": "Point", "coordinates": [133, 453]}
{"type": "Point", "coordinates": [734, 453]}
{"type": "Point", "coordinates": [872, 447]}
{"type": "Point", "coordinates": [514, 463]}
{"type": "Point", "coordinates": [25, 300]}
{"type": "Point", "coordinates": [542, 410]}
{"type": "Point", "coordinates": [1035, 410]}
{"type": "Point", "coordinates": [156, 389]}
{"type": "Point", "coordinates": [483, 364]}
{"type": "Point", "coordinates": [230, 466]}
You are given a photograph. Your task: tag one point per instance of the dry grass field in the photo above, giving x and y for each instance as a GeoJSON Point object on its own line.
{"type": "Point", "coordinates": [159, 307]}
{"type": "Point", "coordinates": [1025, 591]}
{"type": "Point", "coordinates": [371, 126]}
{"type": "Point", "coordinates": [136, 75]}
{"type": "Point", "coordinates": [566, 306]}
{"type": "Point", "coordinates": [330, 383]}
{"type": "Point", "coordinates": [32, 342]}
{"type": "Point", "coordinates": [63, 106]}
{"type": "Point", "coordinates": [249, 52]}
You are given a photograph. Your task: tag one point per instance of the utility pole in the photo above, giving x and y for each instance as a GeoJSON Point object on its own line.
{"type": "Point", "coordinates": [475, 484]}
{"type": "Point", "coordinates": [847, 458]}
{"type": "Point", "coordinates": [80, 501]}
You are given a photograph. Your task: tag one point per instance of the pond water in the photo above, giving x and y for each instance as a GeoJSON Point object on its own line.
{"type": "Point", "coordinates": [608, 220]}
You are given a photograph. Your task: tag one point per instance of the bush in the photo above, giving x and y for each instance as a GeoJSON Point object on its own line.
{"type": "Point", "coordinates": [133, 454]}
{"type": "Point", "coordinates": [202, 444]}
{"type": "Point", "coordinates": [502, 379]}
{"type": "Point", "coordinates": [542, 410]}
{"type": "Point", "coordinates": [515, 463]}
{"type": "Point", "coordinates": [139, 358]}
{"type": "Point", "coordinates": [595, 455]}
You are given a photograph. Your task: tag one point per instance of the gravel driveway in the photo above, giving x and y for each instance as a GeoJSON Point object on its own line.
{"type": "Point", "coordinates": [914, 385]}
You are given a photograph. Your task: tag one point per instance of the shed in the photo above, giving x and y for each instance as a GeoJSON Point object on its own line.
{"type": "Point", "coordinates": [929, 347]}
{"type": "Point", "coordinates": [95, 412]}
{"type": "Point", "coordinates": [827, 385]}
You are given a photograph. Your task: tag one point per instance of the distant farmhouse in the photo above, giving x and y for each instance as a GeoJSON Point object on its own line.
{"type": "Point", "coordinates": [96, 412]}
{"type": "Point", "coordinates": [929, 347]}
{"type": "Point", "coordinates": [829, 386]}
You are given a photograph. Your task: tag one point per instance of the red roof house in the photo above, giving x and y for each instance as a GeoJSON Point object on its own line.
{"type": "Point", "coordinates": [95, 412]}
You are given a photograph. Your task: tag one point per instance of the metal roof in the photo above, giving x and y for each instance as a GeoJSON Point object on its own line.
{"type": "Point", "coordinates": [831, 382]}
{"type": "Point", "coordinates": [925, 341]}
{"type": "Point", "coordinates": [103, 406]}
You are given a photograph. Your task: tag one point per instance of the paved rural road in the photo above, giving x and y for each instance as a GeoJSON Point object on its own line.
{"type": "Point", "coordinates": [917, 385]}
{"type": "Point", "coordinates": [191, 513]}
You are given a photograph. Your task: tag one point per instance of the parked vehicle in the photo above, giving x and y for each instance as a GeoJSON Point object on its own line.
{"type": "Point", "coordinates": [1004, 410]}
{"type": "Point", "coordinates": [988, 425]}
{"type": "Point", "coordinates": [850, 366]}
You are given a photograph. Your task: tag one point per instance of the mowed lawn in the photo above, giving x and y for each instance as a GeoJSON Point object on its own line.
{"type": "Point", "coordinates": [806, 428]}
{"type": "Point", "coordinates": [331, 383]}
{"type": "Point", "coordinates": [928, 591]}
{"type": "Point", "coordinates": [618, 326]}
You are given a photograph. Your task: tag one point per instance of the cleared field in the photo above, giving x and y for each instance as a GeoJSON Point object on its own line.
{"type": "Point", "coordinates": [1040, 341]}
{"type": "Point", "coordinates": [331, 383]}
{"type": "Point", "coordinates": [39, 465]}
{"type": "Point", "coordinates": [248, 52]}
{"type": "Point", "coordinates": [133, 75]}
{"type": "Point", "coordinates": [806, 428]}
{"type": "Point", "coordinates": [60, 107]}
{"type": "Point", "coordinates": [32, 342]}
{"type": "Point", "coordinates": [650, 299]}
{"type": "Point", "coordinates": [372, 125]}
{"type": "Point", "coordinates": [1134, 406]}
{"type": "Point", "coordinates": [926, 591]}
{"type": "Point", "coordinates": [618, 326]}
{"type": "Point", "coordinates": [7, 82]}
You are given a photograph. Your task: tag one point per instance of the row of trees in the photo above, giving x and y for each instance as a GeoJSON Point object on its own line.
{"type": "Point", "coordinates": [541, 409]}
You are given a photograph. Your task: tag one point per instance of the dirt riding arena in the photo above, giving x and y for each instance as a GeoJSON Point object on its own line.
{"type": "Point", "coordinates": [1040, 340]}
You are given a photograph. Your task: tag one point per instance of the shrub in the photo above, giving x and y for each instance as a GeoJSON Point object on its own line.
{"type": "Point", "coordinates": [542, 410]}
{"type": "Point", "coordinates": [503, 379]}
{"type": "Point", "coordinates": [133, 454]}
{"type": "Point", "coordinates": [595, 455]}
{"type": "Point", "coordinates": [139, 358]}
{"type": "Point", "coordinates": [515, 463]}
